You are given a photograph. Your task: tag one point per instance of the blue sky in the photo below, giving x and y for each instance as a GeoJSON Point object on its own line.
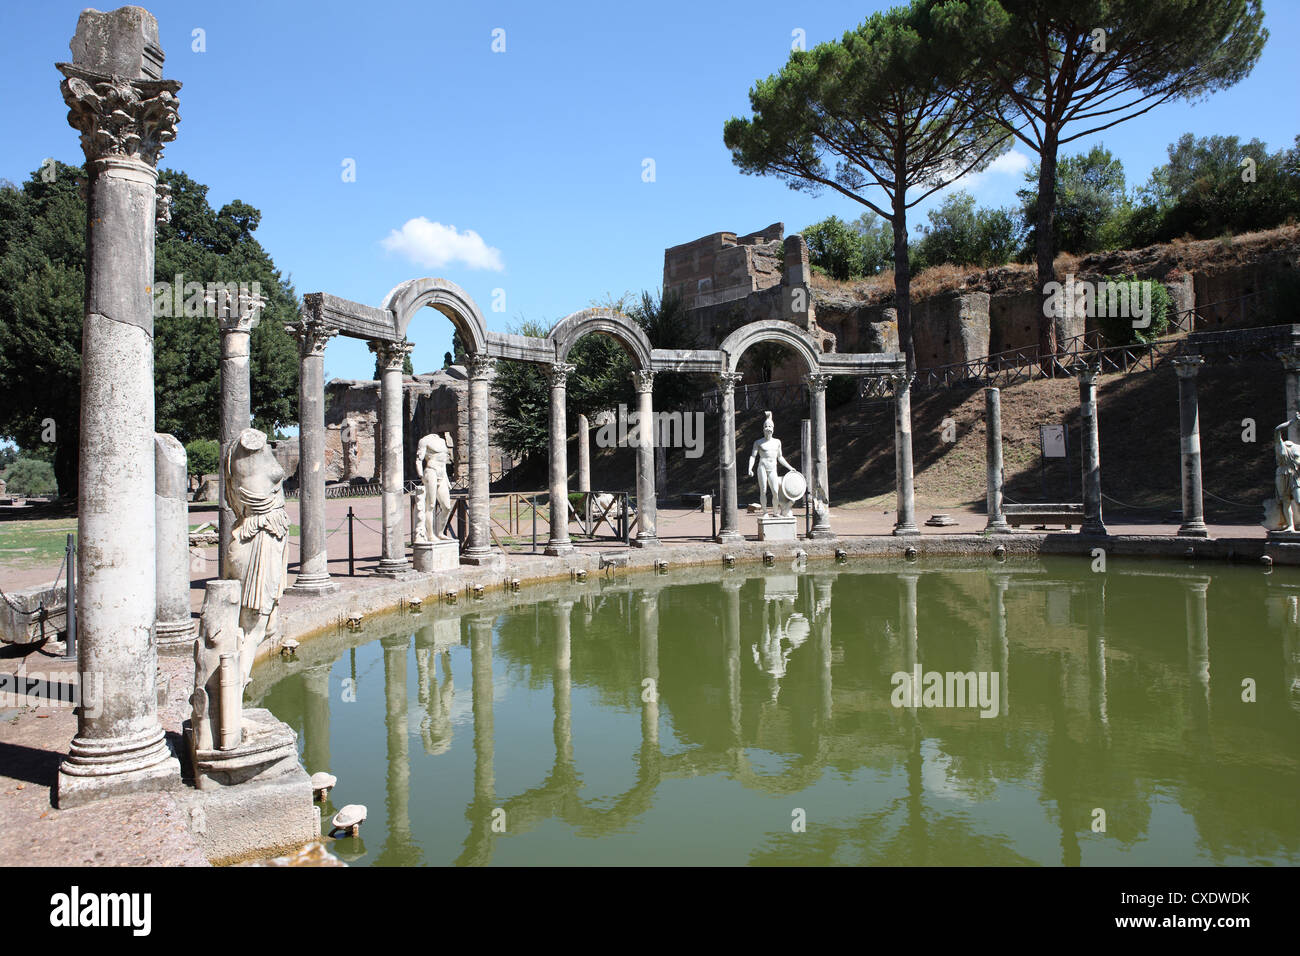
{"type": "Point", "coordinates": [537, 151]}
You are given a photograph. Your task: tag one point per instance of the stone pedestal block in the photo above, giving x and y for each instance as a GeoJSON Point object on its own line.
{"type": "Point", "coordinates": [776, 528]}
{"type": "Point", "coordinates": [269, 749]}
{"type": "Point", "coordinates": [436, 556]}
{"type": "Point", "coordinates": [255, 819]}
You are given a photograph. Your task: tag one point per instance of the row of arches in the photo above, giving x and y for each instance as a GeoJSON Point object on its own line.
{"type": "Point", "coordinates": [387, 327]}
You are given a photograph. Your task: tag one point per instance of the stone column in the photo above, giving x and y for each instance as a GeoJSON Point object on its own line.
{"type": "Point", "coordinates": [646, 510]}
{"type": "Point", "coordinates": [125, 113]}
{"type": "Point", "coordinates": [820, 488]}
{"type": "Point", "coordinates": [173, 626]}
{"type": "Point", "coordinates": [559, 543]}
{"type": "Point", "coordinates": [906, 523]}
{"type": "Point", "coordinates": [729, 511]}
{"type": "Point", "coordinates": [313, 561]}
{"type": "Point", "coordinates": [584, 455]}
{"type": "Point", "coordinates": [392, 559]}
{"type": "Point", "coordinates": [993, 459]}
{"type": "Point", "coordinates": [478, 546]}
{"type": "Point", "coordinates": [1291, 365]}
{"type": "Point", "coordinates": [235, 411]}
{"type": "Point", "coordinates": [1189, 432]}
{"type": "Point", "coordinates": [1091, 452]}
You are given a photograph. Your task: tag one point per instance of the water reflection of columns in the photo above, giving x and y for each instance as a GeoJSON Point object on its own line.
{"type": "Point", "coordinates": [1097, 697]}
{"type": "Point", "coordinates": [822, 623]}
{"type": "Point", "coordinates": [649, 643]}
{"type": "Point", "coordinates": [562, 685]}
{"type": "Point", "coordinates": [907, 614]}
{"type": "Point", "coordinates": [731, 654]}
{"type": "Point", "coordinates": [484, 747]}
{"type": "Point", "coordinates": [1291, 652]}
{"type": "Point", "coordinates": [998, 584]}
{"type": "Point", "coordinates": [397, 846]}
{"type": "Point", "coordinates": [1198, 651]}
{"type": "Point", "coordinates": [316, 718]}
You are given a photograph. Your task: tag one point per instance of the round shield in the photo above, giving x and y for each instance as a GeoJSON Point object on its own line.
{"type": "Point", "coordinates": [793, 486]}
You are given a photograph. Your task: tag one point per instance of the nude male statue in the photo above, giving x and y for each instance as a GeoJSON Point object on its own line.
{"type": "Point", "coordinates": [767, 451]}
{"type": "Point", "coordinates": [431, 459]}
{"type": "Point", "coordinates": [1287, 478]}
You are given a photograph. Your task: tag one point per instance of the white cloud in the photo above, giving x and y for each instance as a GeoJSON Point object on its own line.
{"type": "Point", "coordinates": [1011, 163]}
{"type": "Point", "coordinates": [434, 245]}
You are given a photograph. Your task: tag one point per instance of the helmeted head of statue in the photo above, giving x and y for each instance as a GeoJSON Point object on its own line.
{"type": "Point", "coordinates": [768, 426]}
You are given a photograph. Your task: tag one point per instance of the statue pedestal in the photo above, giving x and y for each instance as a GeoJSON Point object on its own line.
{"type": "Point", "coordinates": [269, 749]}
{"type": "Point", "coordinates": [776, 528]}
{"type": "Point", "coordinates": [1288, 537]}
{"type": "Point", "coordinates": [436, 556]}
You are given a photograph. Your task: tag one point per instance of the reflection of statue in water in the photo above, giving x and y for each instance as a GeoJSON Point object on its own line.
{"type": "Point", "coordinates": [257, 553]}
{"type": "Point", "coordinates": [767, 451]}
{"type": "Point", "coordinates": [784, 631]}
{"type": "Point", "coordinates": [1283, 512]}
{"type": "Point", "coordinates": [436, 698]}
{"type": "Point", "coordinates": [431, 460]}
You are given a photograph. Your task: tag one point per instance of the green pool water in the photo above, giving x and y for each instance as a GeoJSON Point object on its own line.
{"type": "Point", "coordinates": [760, 717]}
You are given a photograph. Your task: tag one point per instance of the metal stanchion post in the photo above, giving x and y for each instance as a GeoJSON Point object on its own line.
{"type": "Point", "coordinates": [352, 570]}
{"type": "Point", "coordinates": [70, 640]}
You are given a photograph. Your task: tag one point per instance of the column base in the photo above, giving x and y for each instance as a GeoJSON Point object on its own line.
{"type": "Point", "coordinates": [729, 537]}
{"type": "Point", "coordinates": [649, 541]}
{"type": "Point", "coordinates": [998, 527]}
{"type": "Point", "coordinates": [557, 548]}
{"type": "Point", "coordinates": [821, 534]}
{"type": "Point", "coordinates": [905, 529]}
{"type": "Point", "coordinates": [394, 569]}
{"type": "Point", "coordinates": [1096, 529]}
{"type": "Point", "coordinates": [96, 769]}
{"type": "Point", "coordinates": [483, 559]}
{"type": "Point", "coordinates": [175, 633]}
{"type": "Point", "coordinates": [1194, 530]}
{"type": "Point", "coordinates": [316, 582]}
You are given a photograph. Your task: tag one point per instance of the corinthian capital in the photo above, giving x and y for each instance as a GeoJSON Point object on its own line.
{"type": "Point", "coordinates": [817, 381]}
{"type": "Point", "coordinates": [643, 380]}
{"type": "Point", "coordinates": [127, 119]}
{"type": "Point", "coordinates": [727, 381]}
{"type": "Point", "coordinates": [481, 366]}
{"type": "Point", "coordinates": [557, 373]}
{"type": "Point", "coordinates": [391, 354]}
{"type": "Point", "coordinates": [312, 336]}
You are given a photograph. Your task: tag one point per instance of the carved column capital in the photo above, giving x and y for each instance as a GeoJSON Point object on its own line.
{"type": "Point", "coordinates": [312, 336]}
{"type": "Point", "coordinates": [557, 373]}
{"type": "Point", "coordinates": [1290, 359]}
{"type": "Point", "coordinates": [900, 381]}
{"type": "Point", "coordinates": [120, 118]}
{"type": "Point", "coordinates": [1087, 374]}
{"type": "Point", "coordinates": [727, 381]}
{"type": "Point", "coordinates": [236, 311]}
{"type": "Point", "coordinates": [481, 366]}
{"type": "Point", "coordinates": [643, 380]}
{"type": "Point", "coordinates": [391, 355]}
{"type": "Point", "coordinates": [817, 381]}
{"type": "Point", "coordinates": [1188, 365]}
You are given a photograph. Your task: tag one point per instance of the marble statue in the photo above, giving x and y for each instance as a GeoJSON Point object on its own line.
{"type": "Point", "coordinates": [258, 555]}
{"type": "Point", "coordinates": [767, 452]}
{"type": "Point", "coordinates": [218, 698]}
{"type": "Point", "coordinates": [431, 460]}
{"type": "Point", "coordinates": [1283, 512]}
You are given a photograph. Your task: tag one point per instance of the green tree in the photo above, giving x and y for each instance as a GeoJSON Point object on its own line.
{"type": "Point", "coordinates": [522, 394]}
{"type": "Point", "coordinates": [203, 456]}
{"type": "Point", "coordinates": [891, 106]}
{"type": "Point", "coordinates": [42, 286]}
{"type": "Point", "coordinates": [27, 476]}
{"type": "Point", "coordinates": [1217, 184]}
{"type": "Point", "coordinates": [1071, 68]}
{"type": "Point", "coordinates": [664, 321]}
{"type": "Point", "coordinates": [963, 235]}
{"type": "Point", "coordinates": [1092, 205]}
{"type": "Point", "coordinates": [836, 247]}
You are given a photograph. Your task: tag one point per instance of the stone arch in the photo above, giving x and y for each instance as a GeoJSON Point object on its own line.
{"type": "Point", "coordinates": [566, 333]}
{"type": "Point", "coordinates": [771, 330]}
{"type": "Point", "coordinates": [449, 299]}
